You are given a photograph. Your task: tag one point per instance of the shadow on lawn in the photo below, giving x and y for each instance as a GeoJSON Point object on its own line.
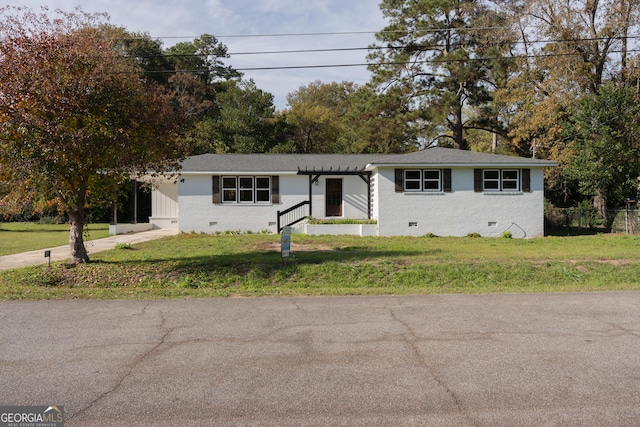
{"type": "Point", "coordinates": [48, 230]}
{"type": "Point", "coordinates": [264, 263]}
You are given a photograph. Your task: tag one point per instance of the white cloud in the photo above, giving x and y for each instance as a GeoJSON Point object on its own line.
{"type": "Point", "coordinates": [168, 19]}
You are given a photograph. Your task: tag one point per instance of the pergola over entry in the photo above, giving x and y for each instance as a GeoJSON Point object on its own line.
{"type": "Point", "coordinates": [315, 174]}
{"type": "Point", "coordinates": [295, 214]}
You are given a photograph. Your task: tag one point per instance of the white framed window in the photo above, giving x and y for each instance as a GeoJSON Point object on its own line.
{"type": "Point", "coordinates": [431, 180]}
{"type": "Point", "coordinates": [229, 189]}
{"type": "Point", "coordinates": [263, 189]}
{"type": "Point", "coordinates": [501, 180]}
{"type": "Point", "coordinates": [423, 180]}
{"type": "Point", "coordinates": [246, 189]}
{"type": "Point", "coordinates": [510, 180]}
{"type": "Point", "coordinates": [491, 180]}
{"type": "Point", "coordinates": [412, 180]}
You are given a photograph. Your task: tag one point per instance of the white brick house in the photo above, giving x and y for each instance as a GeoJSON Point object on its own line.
{"type": "Point", "coordinates": [439, 190]}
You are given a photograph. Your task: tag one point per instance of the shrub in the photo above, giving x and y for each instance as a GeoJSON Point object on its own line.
{"type": "Point", "coordinates": [506, 235]}
{"type": "Point", "coordinates": [474, 235]}
{"type": "Point", "coordinates": [341, 221]}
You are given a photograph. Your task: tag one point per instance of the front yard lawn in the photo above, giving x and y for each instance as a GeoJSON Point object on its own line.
{"type": "Point", "coordinates": [193, 266]}
{"type": "Point", "coordinates": [19, 237]}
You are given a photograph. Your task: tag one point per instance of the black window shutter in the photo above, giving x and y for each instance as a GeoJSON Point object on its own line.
{"type": "Point", "coordinates": [477, 180]}
{"type": "Point", "coordinates": [275, 189]}
{"type": "Point", "coordinates": [399, 180]}
{"type": "Point", "coordinates": [216, 189]}
{"type": "Point", "coordinates": [446, 180]}
{"type": "Point", "coordinates": [526, 180]}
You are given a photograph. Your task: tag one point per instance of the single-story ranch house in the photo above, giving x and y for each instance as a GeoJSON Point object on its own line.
{"type": "Point", "coordinates": [442, 191]}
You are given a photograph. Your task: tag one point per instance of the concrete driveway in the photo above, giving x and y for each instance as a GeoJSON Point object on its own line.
{"type": "Point", "coordinates": [443, 360]}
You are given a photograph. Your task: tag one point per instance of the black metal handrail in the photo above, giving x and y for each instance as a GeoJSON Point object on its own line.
{"type": "Point", "coordinates": [292, 216]}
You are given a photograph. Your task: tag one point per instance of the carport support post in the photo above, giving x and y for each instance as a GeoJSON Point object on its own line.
{"type": "Point", "coordinates": [310, 194]}
{"type": "Point", "coordinates": [114, 214]}
{"type": "Point", "coordinates": [134, 201]}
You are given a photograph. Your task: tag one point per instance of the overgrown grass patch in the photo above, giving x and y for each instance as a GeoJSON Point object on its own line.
{"type": "Point", "coordinates": [192, 266]}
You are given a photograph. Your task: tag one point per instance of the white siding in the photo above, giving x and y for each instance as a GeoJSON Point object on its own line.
{"type": "Point", "coordinates": [460, 212]}
{"type": "Point", "coordinates": [164, 205]}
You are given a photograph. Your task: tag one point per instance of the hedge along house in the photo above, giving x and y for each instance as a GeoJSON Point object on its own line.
{"type": "Point", "coordinates": [442, 191]}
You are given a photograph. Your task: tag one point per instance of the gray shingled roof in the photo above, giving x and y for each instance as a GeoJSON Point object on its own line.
{"type": "Point", "coordinates": [449, 157]}
{"type": "Point", "coordinates": [276, 162]}
{"type": "Point", "coordinates": [348, 162]}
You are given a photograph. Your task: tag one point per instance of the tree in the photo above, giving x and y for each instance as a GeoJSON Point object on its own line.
{"type": "Point", "coordinates": [605, 131]}
{"type": "Point", "coordinates": [565, 50]}
{"type": "Point", "coordinates": [379, 123]}
{"type": "Point", "coordinates": [146, 52]}
{"type": "Point", "coordinates": [202, 57]}
{"type": "Point", "coordinates": [316, 112]}
{"type": "Point", "coordinates": [76, 118]}
{"type": "Point", "coordinates": [435, 50]}
{"type": "Point", "coordinates": [243, 120]}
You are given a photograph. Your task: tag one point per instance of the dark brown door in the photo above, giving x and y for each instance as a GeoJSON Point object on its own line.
{"type": "Point", "coordinates": [334, 197]}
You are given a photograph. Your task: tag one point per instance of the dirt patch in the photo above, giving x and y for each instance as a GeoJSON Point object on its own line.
{"type": "Point", "coordinates": [618, 262]}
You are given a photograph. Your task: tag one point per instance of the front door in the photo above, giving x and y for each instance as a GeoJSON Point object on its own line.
{"type": "Point", "coordinates": [334, 197]}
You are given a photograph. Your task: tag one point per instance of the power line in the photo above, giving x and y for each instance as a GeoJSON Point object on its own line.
{"type": "Point", "coordinates": [423, 62]}
{"type": "Point", "coordinates": [373, 47]}
{"type": "Point", "coordinates": [340, 33]}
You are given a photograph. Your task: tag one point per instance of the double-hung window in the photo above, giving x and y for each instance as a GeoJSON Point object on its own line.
{"type": "Point", "coordinates": [510, 180]}
{"type": "Point", "coordinates": [422, 180]}
{"type": "Point", "coordinates": [229, 189]}
{"type": "Point", "coordinates": [412, 180]}
{"type": "Point", "coordinates": [246, 189]}
{"type": "Point", "coordinates": [431, 180]}
{"type": "Point", "coordinates": [263, 189]}
{"type": "Point", "coordinates": [501, 180]}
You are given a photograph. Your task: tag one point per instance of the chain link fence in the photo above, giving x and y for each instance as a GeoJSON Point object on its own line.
{"type": "Point", "coordinates": [586, 221]}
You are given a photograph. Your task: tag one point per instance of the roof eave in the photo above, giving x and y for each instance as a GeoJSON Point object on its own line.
{"type": "Point", "coordinates": [238, 172]}
{"type": "Point", "coordinates": [547, 164]}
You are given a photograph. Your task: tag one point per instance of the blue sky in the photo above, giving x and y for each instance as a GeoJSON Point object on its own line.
{"type": "Point", "coordinates": [178, 20]}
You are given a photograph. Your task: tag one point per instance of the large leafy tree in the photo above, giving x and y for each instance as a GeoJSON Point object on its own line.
{"type": "Point", "coordinates": [316, 111]}
{"type": "Point", "coordinates": [435, 50]}
{"type": "Point", "coordinates": [379, 123]}
{"type": "Point", "coordinates": [565, 51]}
{"type": "Point", "coordinates": [76, 116]}
{"type": "Point", "coordinates": [243, 120]}
{"type": "Point", "coordinates": [228, 113]}
{"type": "Point", "coordinates": [204, 57]}
{"type": "Point", "coordinates": [605, 135]}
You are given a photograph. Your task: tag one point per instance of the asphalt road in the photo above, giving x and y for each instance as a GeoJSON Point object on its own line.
{"type": "Point", "coordinates": [442, 360]}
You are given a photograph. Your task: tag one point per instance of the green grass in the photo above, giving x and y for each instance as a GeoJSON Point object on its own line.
{"type": "Point", "coordinates": [19, 237]}
{"type": "Point", "coordinates": [192, 266]}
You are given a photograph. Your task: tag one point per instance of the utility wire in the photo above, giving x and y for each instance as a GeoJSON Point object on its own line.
{"type": "Point", "coordinates": [374, 47]}
{"type": "Point", "coordinates": [433, 61]}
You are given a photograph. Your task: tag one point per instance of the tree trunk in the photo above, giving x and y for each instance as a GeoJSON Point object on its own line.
{"type": "Point", "coordinates": [76, 241]}
{"type": "Point", "coordinates": [600, 203]}
{"type": "Point", "coordinates": [458, 130]}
